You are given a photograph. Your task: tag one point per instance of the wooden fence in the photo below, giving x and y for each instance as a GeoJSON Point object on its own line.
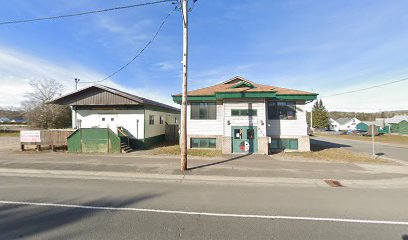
{"type": "Point", "coordinates": [52, 138]}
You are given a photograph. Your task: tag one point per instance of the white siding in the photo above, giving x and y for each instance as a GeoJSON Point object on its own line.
{"type": "Point", "coordinates": [239, 121]}
{"type": "Point", "coordinates": [131, 120]}
{"type": "Point", "coordinates": [206, 127]}
{"type": "Point", "coordinates": [296, 127]}
{"type": "Point", "coordinates": [158, 129]}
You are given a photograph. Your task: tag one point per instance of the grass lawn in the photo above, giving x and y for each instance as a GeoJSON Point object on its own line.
{"type": "Point", "coordinates": [175, 150]}
{"type": "Point", "coordinates": [398, 139]}
{"type": "Point", "coordinates": [9, 134]}
{"type": "Point", "coordinates": [334, 155]}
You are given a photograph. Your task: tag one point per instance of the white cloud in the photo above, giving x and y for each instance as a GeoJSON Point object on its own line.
{"type": "Point", "coordinates": [18, 69]}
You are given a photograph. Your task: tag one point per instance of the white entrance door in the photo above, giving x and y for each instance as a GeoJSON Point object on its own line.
{"type": "Point", "coordinates": [108, 121]}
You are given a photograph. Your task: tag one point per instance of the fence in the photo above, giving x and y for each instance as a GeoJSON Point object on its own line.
{"type": "Point", "coordinates": [52, 138]}
{"type": "Point", "coordinates": [94, 140]}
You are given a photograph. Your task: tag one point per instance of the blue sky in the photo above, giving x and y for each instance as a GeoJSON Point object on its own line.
{"type": "Point", "coordinates": [322, 46]}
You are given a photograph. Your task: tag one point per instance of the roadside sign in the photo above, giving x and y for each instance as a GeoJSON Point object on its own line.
{"type": "Point", "coordinates": [30, 136]}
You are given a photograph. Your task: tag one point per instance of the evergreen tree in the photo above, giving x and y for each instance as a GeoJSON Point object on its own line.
{"type": "Point", "coordinates": [320, 115]}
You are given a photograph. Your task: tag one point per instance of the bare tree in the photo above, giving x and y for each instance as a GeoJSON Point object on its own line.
{"type": "Point", "coordinates": [41, 114]}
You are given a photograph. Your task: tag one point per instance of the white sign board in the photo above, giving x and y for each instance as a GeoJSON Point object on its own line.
{"type": "Point", "coordinates": [30, 136]}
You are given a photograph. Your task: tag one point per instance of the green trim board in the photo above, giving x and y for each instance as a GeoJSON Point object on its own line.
{"type": "Point", "coordinates": [240, 95]}
{"type": "Point", "coordinates": [224, 95]}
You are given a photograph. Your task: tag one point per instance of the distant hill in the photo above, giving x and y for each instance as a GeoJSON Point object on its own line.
{"type": "Point", "coordinates": [11, 114]}
{"type": "Point", "coordinates": [367, 116]}
{"type": "Point", "coordinates": [362, 116]}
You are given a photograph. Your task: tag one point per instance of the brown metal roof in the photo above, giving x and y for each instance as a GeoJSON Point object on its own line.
{"type": "Point", "coordinates": [227, 86]}
{"type": "Point", "coordinates": [99, 95]}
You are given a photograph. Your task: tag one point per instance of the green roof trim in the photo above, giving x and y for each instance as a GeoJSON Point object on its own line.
{"type": "Point", "coordinates": [240, 95]}
{"type": "Point", "coordinates": [223, 95]}
{"type": "Point", "coordinates": [177, 99]}
{"type": "Point", "coordinates": [243, 83]}
{"type": "Point", "coordinates": [306, 97]}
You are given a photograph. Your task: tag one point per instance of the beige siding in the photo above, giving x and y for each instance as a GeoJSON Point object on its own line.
{"type": "Point", "coordinates": [296, 127]}
{"type": "Point", "coordinates": [258, 120]}
{"type": "Point", "coordinates": [206, 127]}
{"type": "Point", "coordinates": [158, 129]}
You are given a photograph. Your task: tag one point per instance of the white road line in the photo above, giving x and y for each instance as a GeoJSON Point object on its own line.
{"type": "Point", "coordinates": [277, 217]}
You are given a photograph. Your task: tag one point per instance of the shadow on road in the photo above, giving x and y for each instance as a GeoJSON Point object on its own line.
{"type": "Point", "coordinates": [25, 221]}
{"type": "Point", "coordinates": [220, 162]}
{"type": "Point", "coordinates": [319, 145]}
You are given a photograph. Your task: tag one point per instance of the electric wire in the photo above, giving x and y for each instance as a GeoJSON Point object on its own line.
{"type": "Point", "coordinates": [140, 52]}
{"type": "Point", "coordinates": [83, 13]}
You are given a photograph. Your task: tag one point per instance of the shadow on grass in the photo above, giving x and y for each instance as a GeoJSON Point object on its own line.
{"type": "Point", "coordinates": [219, 162]}
{"type": "Point", "coordinates": [25, 221]}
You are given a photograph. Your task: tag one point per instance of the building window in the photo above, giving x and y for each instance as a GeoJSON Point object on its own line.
{"type": "Point", "coordinates": [103, 119]}
{"type": "Point", "coordinates": [203, 110]}
{"type": "Point", "coordinates": [281, 110]}
{"type": "Point", "coordinates": [151, 120]}
{"type": "Point", "coordinates": [161, 120]}
{"type": "Point", "coordinates": [203, 143]}
{"type": "Point", "coordinates": [175, 120]}
{"type": "Point", "coordinates": [112, 119]}
{"type": "Point", "coordinates": [287, 143]}
{"type": "Point", "coordinates": [243, 112]}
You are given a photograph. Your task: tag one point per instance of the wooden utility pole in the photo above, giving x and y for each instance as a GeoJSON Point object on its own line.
{"type": "Point", "coordinates": [372, 138]}
{"type": "Point", "coordinates": [183, 140]}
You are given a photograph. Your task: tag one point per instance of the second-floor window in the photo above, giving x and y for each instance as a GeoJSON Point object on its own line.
{"type": "Point", "coordinates": [203, 110]}
{"type": "Point", "coordinates": [243, 112]}
{"type": "Point", "coordinates": [281, 110]}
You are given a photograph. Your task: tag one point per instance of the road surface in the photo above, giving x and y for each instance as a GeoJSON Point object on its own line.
{"type": "Point", "coordinates": [381, 149]}
{"type": "Point", "coordinates": [57, 208]}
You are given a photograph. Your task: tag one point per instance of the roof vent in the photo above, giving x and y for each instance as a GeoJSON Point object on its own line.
{"type": "Point", "coordinates": [243, 84]}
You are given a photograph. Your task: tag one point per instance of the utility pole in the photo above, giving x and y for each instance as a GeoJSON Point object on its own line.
{"type": "Point", "coordinates": [183, 140]}
{"type": "Point", "coordinates": [76, 83]}
{"type": "Point", "coordinates": [372, 138]}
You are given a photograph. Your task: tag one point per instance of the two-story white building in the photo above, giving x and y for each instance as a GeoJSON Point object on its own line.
{"type": "Point", "coordinates": [239, 116]}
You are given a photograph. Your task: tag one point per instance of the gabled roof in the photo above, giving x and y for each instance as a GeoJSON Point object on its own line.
{"type": "Point", "coordinates": [104, 96]}
{"type": "Point", "coordinates": [343, 121]}
{"type": "Point", "coordinates": [245, 86]}
{"type": "Point", "coordinates": [396, 119]}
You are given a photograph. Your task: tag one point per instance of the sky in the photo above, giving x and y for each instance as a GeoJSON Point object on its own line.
{"type": "Point", "coordinates": [327, 47]}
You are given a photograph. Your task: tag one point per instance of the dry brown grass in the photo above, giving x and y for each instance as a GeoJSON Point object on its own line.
{"type": "Point", "coordinates": [398, 139]}
{"type": "Point", "coordinates": [175, 150]}
{"type": "Point", "coordinates": [336, 155]}
{"type": "Point", "coordinates": [9, 134]}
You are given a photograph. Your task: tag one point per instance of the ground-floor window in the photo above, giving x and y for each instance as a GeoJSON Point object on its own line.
{"type": "Point", "coordinates": [284, 143]}
{"type": "Point", "coordinates": [203, 143]}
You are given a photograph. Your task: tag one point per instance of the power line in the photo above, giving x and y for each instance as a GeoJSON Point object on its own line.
{"type": "Point", "coordinates": [141, 51]}
{"type": "Point", "coordinates": [84, 13]}
{"type": "Point", "coordinates": [363, 89]}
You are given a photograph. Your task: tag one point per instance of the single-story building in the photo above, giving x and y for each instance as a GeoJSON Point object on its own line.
{"type": "Point", "coordinates": [400, 128]}
{"type": "Point", "coordinates": [343, 124]}
{"type": "Point", "coordinates": [142, 120]}
{"type": "Point", "coordinates": [240, 116]}
{"type": "Point", "coordinates": [379, 124]}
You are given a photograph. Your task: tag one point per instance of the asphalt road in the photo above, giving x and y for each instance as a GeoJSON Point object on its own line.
{"type": "Point", "coordinates": [106, 209]}
{"type": "Point", "coordinates": [381, 149]}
